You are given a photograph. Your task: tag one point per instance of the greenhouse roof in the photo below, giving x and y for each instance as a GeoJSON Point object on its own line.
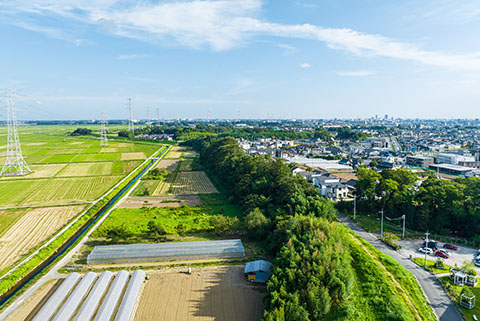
{"type": "Point", "coordinates": [221, 248]}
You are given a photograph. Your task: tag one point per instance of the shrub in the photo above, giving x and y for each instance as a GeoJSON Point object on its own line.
{"type": "Point", "coordinates": [391, 240]}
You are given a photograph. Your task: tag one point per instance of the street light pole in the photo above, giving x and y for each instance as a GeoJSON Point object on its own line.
{"type": "Point", "coordinates": [426, 246]}
{"type": "Point", "coordinates": [354, 206]}
{"type": "Point", "coordinates": [381, 225]}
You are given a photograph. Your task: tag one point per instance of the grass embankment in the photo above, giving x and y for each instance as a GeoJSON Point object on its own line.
{"type": "Point", "coordinates": [454, 293]}
{"type": "Point", "coordinates": [384, 290]}
{"type": "Point", "coordinates": [10, 280]}
{"type": "Point", "coordinates": [431, 265]}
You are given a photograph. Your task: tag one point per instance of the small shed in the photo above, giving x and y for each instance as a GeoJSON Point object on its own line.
{"type": "Point", "coordinates": [258, 271]}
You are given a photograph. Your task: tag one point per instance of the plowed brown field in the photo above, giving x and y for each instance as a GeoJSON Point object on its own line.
{"type": "Point", "coordinates": [31, 229]}
{"type": "Point", "coordinates": [217, 293]}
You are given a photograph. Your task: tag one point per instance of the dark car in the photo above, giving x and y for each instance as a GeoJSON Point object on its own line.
{"type": "Point", "coordinates": [431, 244]}
{"type": "Point", "coordinates": [442, 254]}
{"type": "Point", "coordinates": [450, 247]}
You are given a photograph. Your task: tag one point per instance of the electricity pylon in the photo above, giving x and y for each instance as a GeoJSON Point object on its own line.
{"type": "Point", "coordinates": [131, 127]}
{"type": "Point", "coordinates": [103, 135]}
{"type": "Point", "coordinates": [15, 165]}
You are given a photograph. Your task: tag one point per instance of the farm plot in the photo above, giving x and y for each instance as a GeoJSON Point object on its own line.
{"type": "Point", "coordinates": [8, 218]}
{"type": "Point", "coordinates": [123, 167]}
{"type": "Point", "coordinates": [15, 191]}
{"type": "Point", "coordinates": [193, 183]}
{"type": "Point", "coordinates": [186, 165]}
{"type": "Point", "coordinates": [64, 190]}
{"type": "Point", "coordinates": [220, 294]}
{"type": "Point", "coordinates": [96, 157]}
{"type": "Point", "coordinates": [31, 229]}
{"type": "Point", "coordinates": [131, 156]}
{"type": "Point", "coordinates": [39, 171]}
{"type": "Point", "coordinates": [87, 169]}
{"type": "Point", "coordinates": [190, 154]}
{"type": "Point", "coordinates": [168, 164]}
{"type": "Point", "coordinates": [109, 150]}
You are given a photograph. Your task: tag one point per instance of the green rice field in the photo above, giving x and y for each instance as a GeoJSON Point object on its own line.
{"type": "Point", "coordinates": [65, 168]}
{"type": "Point", "coordinates": [67, 171]}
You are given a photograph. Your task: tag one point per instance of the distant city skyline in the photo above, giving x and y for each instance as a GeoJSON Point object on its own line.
{"type": "Point", "coordinates": [242, 58]}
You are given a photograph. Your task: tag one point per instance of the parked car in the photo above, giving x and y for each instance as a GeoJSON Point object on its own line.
{"type": "Point", "coordinates": [450, 246]}
{"type": "Point", "coordinates": [425, 250]}
{"type": "Point", "coordinates": [431, 244]}
{"type": "Point", "coordinates": [443, 254]}
{"type": "Point", "coordinates": [476, 262]}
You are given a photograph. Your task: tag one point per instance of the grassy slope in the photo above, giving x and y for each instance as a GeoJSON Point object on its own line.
{"type": "Point", "coordinates": [380, 283]}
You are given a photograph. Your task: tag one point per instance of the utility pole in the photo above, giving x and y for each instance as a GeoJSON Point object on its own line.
{"type": "Point", "coordinates": [103, 135]}
{"type": "Point", "coordinates": [15, 165]}
{"type": "Point", "coordinates": [381, 225]}
{"type": "Point", "coordinates": [131, 126]}
{"type": "Point", "coordinates": [354, 206]}
{"type": "Point", "coordinates": [158, 114]}
{"type": "Point", "coordinates": [403, 231]}
{"type": "Point", "coordinates": [426, 246]}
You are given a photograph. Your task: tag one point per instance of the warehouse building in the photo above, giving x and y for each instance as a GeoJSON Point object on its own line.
{"type": "Point", "coordinates": [451, 169]}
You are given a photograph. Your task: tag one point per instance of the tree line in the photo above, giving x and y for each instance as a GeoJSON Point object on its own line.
{"type": "Point", "coordinates": [317, 272]}
{"type": "Point", "coordinates": [440, 206]}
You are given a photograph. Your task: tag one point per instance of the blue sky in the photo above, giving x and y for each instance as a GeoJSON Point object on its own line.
{"type": "Point", "coordinates": [276, 59]}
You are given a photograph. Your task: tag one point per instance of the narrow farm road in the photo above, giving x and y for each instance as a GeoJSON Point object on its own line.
{"type": "Point", "coordinates": [442, 306]}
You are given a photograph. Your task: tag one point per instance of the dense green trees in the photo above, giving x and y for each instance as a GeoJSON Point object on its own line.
{"type": "Point", "coordinates": [81, 132]}
{"type": "Point", "coordinates": [320, 272]}
{"type": "Point", "coordinates": [441, 206]}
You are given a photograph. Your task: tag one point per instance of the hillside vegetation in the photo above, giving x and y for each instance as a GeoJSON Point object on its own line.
{"type": "Point", "coordinates": [321, 270]}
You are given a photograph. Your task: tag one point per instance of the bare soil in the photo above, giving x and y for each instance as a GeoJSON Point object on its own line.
{"type": "Point", "coordinates": [161, 201]}
{"type": "Point", "coordinates": [168, 164]}
{"type": "Point", "coordinates": [28, 309]}
{"type": "Point", "coordinates": [214, 293]}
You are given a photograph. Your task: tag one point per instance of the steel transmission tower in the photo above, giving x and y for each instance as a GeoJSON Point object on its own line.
{"type": "Point", "coordinates": [131, 126]}
{"type": "Point", "coordinates": [103, 135]}
{"type": "Point", "coordinates": [14, 164]}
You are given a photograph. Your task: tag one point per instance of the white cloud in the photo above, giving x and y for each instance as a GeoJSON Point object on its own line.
{"type": "Point", "coordinates": [221, 25]}
{"type": "Point", "coordinates": [305, 65]}
{"type": "Point", "coordinates": [132, 56]}
{"type": "Point", "coordinates": [288, 49]}
{"type": "Point", "coordinates": [358, 73]}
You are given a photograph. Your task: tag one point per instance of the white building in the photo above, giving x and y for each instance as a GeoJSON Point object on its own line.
{"type": "Point", "coordinates": [452, 159]}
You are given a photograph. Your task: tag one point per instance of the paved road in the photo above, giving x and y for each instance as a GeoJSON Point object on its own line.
{"type": "Point", "coordinates": [443, 307]}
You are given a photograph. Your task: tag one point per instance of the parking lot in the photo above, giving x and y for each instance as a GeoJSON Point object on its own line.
{"type": "Point", "coordinates": [463, 254]}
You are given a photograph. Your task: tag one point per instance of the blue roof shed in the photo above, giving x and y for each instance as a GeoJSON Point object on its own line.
{"type": "Point", "coordinates": [258, 271]}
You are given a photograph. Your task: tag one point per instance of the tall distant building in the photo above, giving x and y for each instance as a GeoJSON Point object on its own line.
{"type": "Point", "coordinates": [386, 117]}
